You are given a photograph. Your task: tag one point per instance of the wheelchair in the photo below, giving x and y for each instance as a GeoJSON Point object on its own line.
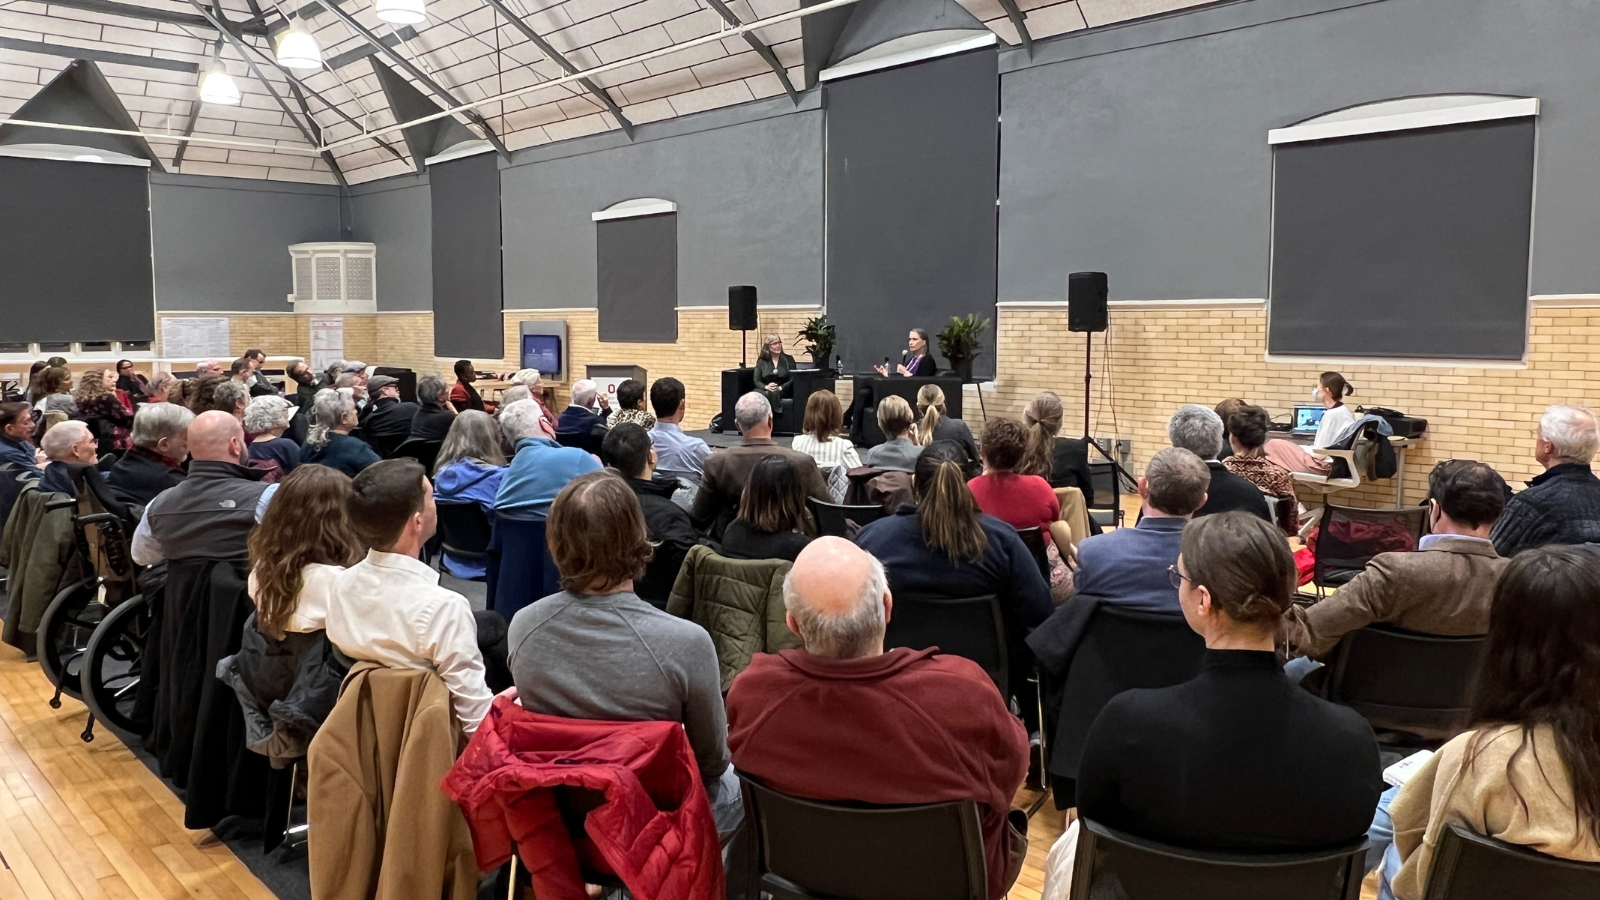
{"type": "Point", "coordinates": [92, 635]}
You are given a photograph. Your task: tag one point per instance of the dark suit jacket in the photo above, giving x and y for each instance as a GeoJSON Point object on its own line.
{"type": "Point", "coordinates": [577, 420]}
{"type": "Point", "coordinates": [728, 471]}
{"type": "Point", "coordinates": [1560, 506]}
{"type": "Point", "coordinates": [1230, 493]}
{"type": "Point", "coordinates": [1445, 589]}
{"type": "Point", "coordinates": [432, 422]}
{"type": "Point", "coordinates": [387, 417]}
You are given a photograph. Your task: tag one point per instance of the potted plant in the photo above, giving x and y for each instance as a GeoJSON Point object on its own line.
{"type": "Point", "coordinates": [962, 341]}
{"type": "Point", "coordinates": [820, 336]}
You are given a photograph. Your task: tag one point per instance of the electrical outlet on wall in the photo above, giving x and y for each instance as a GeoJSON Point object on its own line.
{"type": "Point", "coordinates": [1124, 450]}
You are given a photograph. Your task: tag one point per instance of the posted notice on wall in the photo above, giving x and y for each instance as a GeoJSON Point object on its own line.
{"type": "Point", "coordinates": [327, 341]}
{"type": "Point", "coordinates": [195, 337]}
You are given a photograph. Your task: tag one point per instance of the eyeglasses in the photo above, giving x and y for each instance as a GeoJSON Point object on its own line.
{"type": "Point", "coordinates": [1177, 578]}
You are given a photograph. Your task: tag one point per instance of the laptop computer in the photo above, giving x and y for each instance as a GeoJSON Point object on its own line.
{"type": "Point", "coordinates": [1308, 418]}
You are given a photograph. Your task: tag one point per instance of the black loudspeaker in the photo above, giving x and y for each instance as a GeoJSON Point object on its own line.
{"type": "Point", "coordinates": [742, 307]}
{"type": "Point", "coordinates": [1086, 301]}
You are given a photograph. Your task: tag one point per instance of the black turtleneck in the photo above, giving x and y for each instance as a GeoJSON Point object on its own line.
{"type": "Point", "coordinates": [1237, 758]}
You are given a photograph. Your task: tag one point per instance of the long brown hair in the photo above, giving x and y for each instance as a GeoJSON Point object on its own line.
{"type": "Point", "coordinates": [1542, 667]}
{"type": "Point", "coordinates": [308, 521]}
{"type": "Point", "coordinates": [930, 403]}
{"type": "Point", "coordinates": [91, 384]}
{"type": "Point", "coordinates": [51, 380]}
{"type": "Point", "coordinates": [774, 500]}
{"type": "Point", "coordinates": [946, 510]}
{"type": "Point", "coordinates": [824, 416]}
{"type": "Point", "coordinates": [1042, 418]}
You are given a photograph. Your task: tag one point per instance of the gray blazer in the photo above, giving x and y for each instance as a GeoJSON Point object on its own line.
{"type": "Point", "coordinates": [898, 455]}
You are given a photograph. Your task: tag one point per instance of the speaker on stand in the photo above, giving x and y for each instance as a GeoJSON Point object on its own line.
{"type": "Point", "coordinates": [1088, 312]}
{"type": "Point", "coordinates": [742, 316]}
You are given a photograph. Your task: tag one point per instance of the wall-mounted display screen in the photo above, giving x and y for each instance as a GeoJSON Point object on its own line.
{"type": "Point", "coordinates": [542, 352]}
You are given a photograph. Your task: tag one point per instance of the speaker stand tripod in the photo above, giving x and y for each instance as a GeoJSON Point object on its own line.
{"type": "Point", "coordinates": [1117, 471]}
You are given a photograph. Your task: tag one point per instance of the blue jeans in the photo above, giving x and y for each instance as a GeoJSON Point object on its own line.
{"type": "Point", "coordinates": [1299, 667]}
{"type": "Point", "coordinates": [1381, 849]}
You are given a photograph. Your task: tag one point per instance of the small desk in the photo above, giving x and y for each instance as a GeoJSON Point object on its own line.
{"type": "Point", "coordinates": [1398, 443]}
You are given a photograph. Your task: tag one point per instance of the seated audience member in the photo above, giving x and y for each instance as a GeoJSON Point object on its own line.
{"type": "Point", "coordinates": [945, 548]}
{"type": "Point", "coordinates": [329, 442]}
{"type": "Point", "coordinates": [1247, 435]}
{"type": "Point", "coordinates": [728, 471]}
{"type": "Point", "coordinates": [16, 427]}
{"type": "Point", "coordinates": [1239, 758]}
{"type": "Point", "coordinates": [53, 392]}
{"type": "Point", "coordinates": [210, 513]}
{"type": "Point", "coordinates": [540, 468]}
{"type": "Point", "coordinates": [386, 415]}
{"type": "Point", "coordinates": [304, 541]}
{"type": "Point", "coordinates": [630, 406]}
{"type": "Point", "coordinates": [266, 419]}
{"type": "Point", "coordinates": [358, 369]}
{"type": "Point", "coordinates": [356, 385]}
{"type": "Point", "coordinates": [773, 521]}
{"type": "Point", "coordinates": [1199, 431]}
{"type": "Point", "coordinates": [1064, 462]}
{"type": "Point", "coordinates": [243, 372]}
{"type": "Point", "coordinates": [304, 383]}
{"type": "Point", "coordinates": [934, 424]}
{"type": "Point", "coordinates": [101, 409]}
{"type": "Point", "coordinates": [209, 368]}
{"type": "Point", "coordinates": [468, 470]}
{"type": "Point", "coordinates": [155, 461]}
{"type": "Point", "coordinates": [223, 395]}
{"type": "Point", "coordinates": [1022, 501]}
{"type": "Point", "coordinates": [677, 454]}
{"type": "Point", "coordinates": [259, 382]}
{"type": "Point", "coordinates": [135, 385]}
{"type": "Point", "coordinates": [1445, 587]}
{"type": "Point", "coordinates": [463, 395]}
{"type": "Point", "coordinates": [66, 444]}
{"type": "Point", "coordinates": [579, 417]}
{"type": "Point", "coordinates": [1330, 391]}
{"type": "Point", "coordinates": [514, 393]}
{"type": "Point", "coordinates": [1562, 505]}
{"type": "Point", "coordinates": [329, 375]}
{"type": "Point", "coordinates": [597, 651]}
{"type": "Point", "coordinates": [899, 451]}
{"type": "Point", "coordinates": [627, 449]}
{"type": "Point", "coordinates": [162, 386]}
{"type": "Point", "coordinates": [1129, 566]}
{"type": "Point", "coordinates": [1528, 772]}
{"type": "Point", "coordinates": [1225, 411]}
{"type": "Point", "coordinates": [529, 384]}
{"type": "Point", "coordinates": [434, 415]}
{"type": "Point", "coordinates": [821, 433]}
{"type": "Point", "coordinates": [843, 720]}
{"type": "Point", "coordinates": [389, 608]}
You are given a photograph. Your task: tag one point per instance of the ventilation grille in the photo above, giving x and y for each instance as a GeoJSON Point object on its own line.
{"type": "Point", "coordinates": [334, 277]}
{"type": "Point", "coordinates": [358, 279]}
{"type": "Point", "coordinates": [328, 287]}
{"type": "Point", "coordinates": [302, 276]}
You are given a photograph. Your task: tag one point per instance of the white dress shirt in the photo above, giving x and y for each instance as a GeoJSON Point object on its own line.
{"type": "Point", "coordinates": [389, 609]}
{"type": "Point", "coordinates": [317, 584]}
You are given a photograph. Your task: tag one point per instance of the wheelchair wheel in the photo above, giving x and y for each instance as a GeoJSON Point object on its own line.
{"type": "Point", "coordinates": [111, 667]}
{"type": "Point", "coordinates": [64, 632]}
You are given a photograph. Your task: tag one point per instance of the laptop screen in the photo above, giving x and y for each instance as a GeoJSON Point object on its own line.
{"type": "Point", "coordinates": [1307, 418]}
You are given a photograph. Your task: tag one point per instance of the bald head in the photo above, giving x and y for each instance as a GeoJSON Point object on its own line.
{"type": "Point", "coordinates": [837, 596]}
{"type": "Point", "coordinates": [218, 437]}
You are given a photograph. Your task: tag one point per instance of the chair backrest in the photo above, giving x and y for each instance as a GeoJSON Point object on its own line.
{"type": "Point", "coordinates": [808, 849]}
{"type": "Point", "coordinates": [971, 627]}
{"type": "Point", "coordinates": [425, 452]}
{"type": "Point", "coordinates": [589, 441]}
{"type": "Point", "coordinates": [1405, 681]}
{"type": "Point", "coordinates": [1349, 538]}
{"type": "Point", "coordinates": [1107, 506]}
{"type": "Point", "coordinates": [1117, 866]}
{"type": "Point", "coordinates": [1120, 649]}
{"type": "Point", "coordinates": [1468, 866]}
{"type": "Point", "coordinates": [1033, 538]}
{"type": "Point", "coordinates": [385, 445]}
{"type": "Point", "coordinates": [520, 569]}
{"type": "Point", "coordinates": [464, 529]}
{"type": "Point", "coordinates": [839, 520]}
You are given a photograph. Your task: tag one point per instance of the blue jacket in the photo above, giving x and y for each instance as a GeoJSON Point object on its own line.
{"type": "Point", "coordinates": [347, 453]}
{"type": "Point", "coordinates": [19, 453]}
{"type": "Point", "coordinates": [577, 420]}
{"type": "Point", "coordinates": [465, 480]}
{"type": "Point", "coordinates": [537, 474]}
{"type": "Point", "coordinates": [1129, 565]}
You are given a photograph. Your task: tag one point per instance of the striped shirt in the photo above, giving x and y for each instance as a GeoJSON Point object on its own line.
{"type": "Point", "coordinates": [837, 451]}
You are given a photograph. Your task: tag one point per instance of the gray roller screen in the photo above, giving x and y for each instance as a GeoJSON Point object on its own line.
{"type": "Point", "coordinates": [1404, 244]}
{"type": "Point", "coordinates": [913, 168]}
{"type": "Point", "coordinates": [636, 271]}
{"type": "Point", "coordinates": [465, 195]}
{"type": "Point", "coordinates": [75, 252]}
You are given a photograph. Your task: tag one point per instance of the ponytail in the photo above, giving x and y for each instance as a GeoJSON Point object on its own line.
{"type": "Point", "coordinates": [930, 402]}
{"type": "Point", "coordinates": [1043, 420]}
{"type": "Point", "coordinates": [947, 513]}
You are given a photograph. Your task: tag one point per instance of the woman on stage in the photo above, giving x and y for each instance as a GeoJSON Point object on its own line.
{"type": "Point", "coordinates": [772, 370]}
{"type": "Point", "coordinates": [917, 360]}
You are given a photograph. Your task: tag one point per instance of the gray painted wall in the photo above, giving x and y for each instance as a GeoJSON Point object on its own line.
{"type": "Point", "coordinates": [1141, 150]}
{"type": "Point", "coordinates": [222, 243]}
{"type": "Point", "coordinates": [749, 188]}
{"type": "Point", "coordinates": [396, 214]}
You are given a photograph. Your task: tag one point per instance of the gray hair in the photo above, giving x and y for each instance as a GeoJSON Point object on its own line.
{"type": "Point", "coordinates": [266, 413]}
{"type": "Point", "coordinates": [57, 442]}
{"type": "Point", "coordinates": [155, 421]}
{"type": "Point", "coordinates": [430, 388]}
{"type": "Point", "coordinates": [520, 420]}
{"type": "Point", "coordinates": [529, 377]}
{"type": "Point", "coordinates": [161, 382]}
{"type": "Point", "coordinates": [751, 411]}
{"type": "Point", "coordinates": [327, 412]}
{"type": "Point", "coordinates": [1177, 480]}
{"type": "Point", "coordinates": [848, 636]}
{"type": "Point", "coordinates": [583, 391]}
{"type": "Point", "coordinates": [514, 393]}
{"type": "Point", "coordinates": [1197, 430]}
{"type": "Point", "coordinates": [229, 394]}
{"type": "Point", "coordinates": [471, 436]}
{"type": "Point", "coordinates": [348, 379]}
{"type": "Point", "coordinates": [1572, 430]}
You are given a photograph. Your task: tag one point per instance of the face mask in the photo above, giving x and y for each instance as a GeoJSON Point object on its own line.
{"type": "Point", "coordinates": [1316, 394]}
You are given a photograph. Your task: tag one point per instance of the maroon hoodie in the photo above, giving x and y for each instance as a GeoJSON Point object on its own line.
{"type": "Point", "coordinates": [909, 726]}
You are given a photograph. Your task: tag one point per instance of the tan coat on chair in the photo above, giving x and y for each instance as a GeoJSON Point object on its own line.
{"type": "Point", "coordinates": [380, 827]}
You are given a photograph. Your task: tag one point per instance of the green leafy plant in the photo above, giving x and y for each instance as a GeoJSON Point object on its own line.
{"type": "Point", "coordinates": [962, 340]}
{"type": "Point", "coordinates": [820, 336]}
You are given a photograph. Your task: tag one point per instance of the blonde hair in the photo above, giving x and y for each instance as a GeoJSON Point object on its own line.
{"type": "Point", "coordinates": [894, 416]}
{"type": "Point", "coordinates": [930, 404]}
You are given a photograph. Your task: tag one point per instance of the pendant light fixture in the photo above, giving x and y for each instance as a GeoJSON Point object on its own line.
{"type": "Point", "coordinates": [402, 12]}
{"type": "Point", "coordinates": [218, 87]}
{"type": "Point", "coordinates": [297, 49]}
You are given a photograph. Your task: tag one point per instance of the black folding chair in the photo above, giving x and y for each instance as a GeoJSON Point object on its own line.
{"type": "Point", "coordinates": [1117, 866]}
{"type": "Point", "coordinates": [1348, 539]}
{"type": "Point", "coordinates": [970, 627]}
{"type": "Point", "coordinates": [588, 441]}
{"type": "Point", "coordinates": [1468, 866]}
{"type": "Point", "coordinates": [1403, 681]}
{"type": "Point", "coordinates": [841, 520]}
{"type": "Point", "coordinates": [386, 444]}
{"type": "Point", "coordinates": [464, 531]}
{"type": "Point", "coordinates": [1034, 538]}
{"type": "Point", "coordinates": [1106, 510]}
{"type": "Point", "coordinates": [810, 850]}
{"type": "Point", "coordinates": [425, 452]}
